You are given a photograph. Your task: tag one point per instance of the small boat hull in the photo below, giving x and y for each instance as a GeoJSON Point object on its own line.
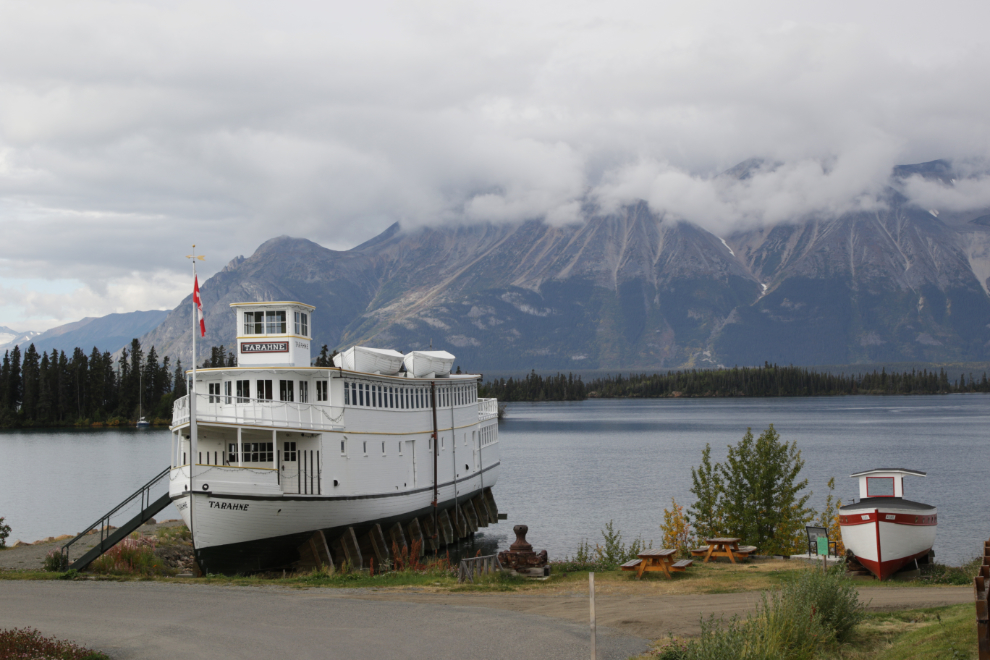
{"type": "Point", "coordinates": [885, 536]}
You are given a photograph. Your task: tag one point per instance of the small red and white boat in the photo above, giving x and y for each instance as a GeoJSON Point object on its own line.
{"type": "Point", "coordinates": [883, 530]}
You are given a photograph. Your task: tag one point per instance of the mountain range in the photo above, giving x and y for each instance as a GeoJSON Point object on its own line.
{"type": "Point", "coordinates": [107, 333]}
{"type": "Point", "coordinates": [635, 289]}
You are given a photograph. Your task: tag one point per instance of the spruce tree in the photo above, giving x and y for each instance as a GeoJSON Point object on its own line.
{"type": "Point", "coordinates": [31, 375]}
{"type": "Point", "coordinates": [707, 514]}
{"type": "Point", "coordinates": [14, 385]}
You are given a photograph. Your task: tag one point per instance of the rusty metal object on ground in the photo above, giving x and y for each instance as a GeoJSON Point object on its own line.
{"type": "Point", "coordinates": [520, 555]}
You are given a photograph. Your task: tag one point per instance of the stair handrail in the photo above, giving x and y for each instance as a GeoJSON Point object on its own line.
{"type": "Point", "coordinates": [145, 493]}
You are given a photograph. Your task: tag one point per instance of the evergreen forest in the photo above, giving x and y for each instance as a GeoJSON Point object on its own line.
{"type": "Point", "coordinates": [770, 380]}
{"type": "Point", "coordinates": [55, 389]}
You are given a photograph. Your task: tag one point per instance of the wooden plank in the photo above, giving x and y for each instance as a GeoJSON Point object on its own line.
{"type": "Point", "coordinates": [631, 564]}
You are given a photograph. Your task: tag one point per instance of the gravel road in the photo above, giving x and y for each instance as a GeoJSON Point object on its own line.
{"type": "Point", "coordinates": [156, 621]}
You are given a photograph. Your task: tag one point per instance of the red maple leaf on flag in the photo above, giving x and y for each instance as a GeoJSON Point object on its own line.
{"type": "Point", "coordinates": [199, 306]}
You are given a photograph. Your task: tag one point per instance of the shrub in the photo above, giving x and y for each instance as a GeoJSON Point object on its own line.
{"type": "Point", "coordinates": [833, 598]}
{"type": "Point", "coordinates": [614, 551]}
{"type": "Point", "coordinates": [55, 561]}
{"type": "Point", "coordinates": [29, 643]}
{"type": "Point", "coordinates": [677, 532]}
{"type": "Point", "coordinates": [4, 533]}
{"type": "Point", "coordinates": [132, 556]}
{"type": "Point", "coordinates": [809, 613]}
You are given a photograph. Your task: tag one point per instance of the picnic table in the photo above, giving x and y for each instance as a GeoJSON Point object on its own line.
{"type": "Point", "coordinates": [724, 547]}
{"type": "Point", "coordinates": [656, 560]}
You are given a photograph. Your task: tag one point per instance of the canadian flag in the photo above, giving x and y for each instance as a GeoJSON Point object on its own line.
{"type": "Point", "coordinates": [199, 306]}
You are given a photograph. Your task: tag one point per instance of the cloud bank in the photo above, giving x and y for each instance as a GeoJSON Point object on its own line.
{"type": "Point", "coordinates": [130, 130]}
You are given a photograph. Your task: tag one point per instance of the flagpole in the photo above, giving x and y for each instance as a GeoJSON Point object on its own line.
{"type": "Point", "coordinates": [193, 430]}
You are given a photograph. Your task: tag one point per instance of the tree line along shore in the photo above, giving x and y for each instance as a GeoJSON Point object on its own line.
{"type": "Point", "coordinates": [98, 389]}
{"type": "Point", "coordinates": [770, 380]}
{"type": "Point", "coordinates": [55, 389]}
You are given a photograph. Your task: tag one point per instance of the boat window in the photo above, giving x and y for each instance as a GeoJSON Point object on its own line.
{"type": "Point", "coordinates": [264, 390]}
{"type": "Point", "coordinates": [285, 390]}
{"type": "Point", "coordinates": [321, 390]}
{"type": "Point", "coordinates": [232, 453]}
{"type": "Point", "coordinates": [300, 325]}
{"type": "Point", "coordinates": [360, 398]}
{"type": "Point", "coordinates": [214, 390]}
{"type": "Point", "coordinates": [382, 402]}
{"type": "Point", "coordinates": [254, 323]}
{"type": "Point", "coordinates": [227, 389]}
{"type": "Point", "coordinates": [258, 452]}
{"type": "Point", "coordinates": [243, 391]}
{"type": "Point", "coordinates": [383, 448]}
{"type": "Point", "coordinates": [879, 486]}
{"type": "Point", "coordinates": [391, 397]}
{"type": "Point", "coordinates": [275, 323]}
{"type": "Point", "coordinates": [343, 447]}
{"type": "Point", "coordinates": [364, 447]}
{"type": "Point", "coordinates": [303, 391]}
{"type": "Point", "coordinates": [305, 325]}
{"type": "Point", "coordinates": [400, 447]}
{"type": "Point", "coordinates": [289, 451]}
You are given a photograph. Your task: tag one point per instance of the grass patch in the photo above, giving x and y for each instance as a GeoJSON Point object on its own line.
{"type": "Point", "coordinates": [926, 634]}
{"type": "Point", "coordinates": [29, 643]}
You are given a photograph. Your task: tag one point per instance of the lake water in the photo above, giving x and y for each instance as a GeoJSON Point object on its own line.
{"type": "Point", "coordinates": [569, 468]}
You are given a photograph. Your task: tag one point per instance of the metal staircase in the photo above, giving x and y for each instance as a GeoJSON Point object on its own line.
{"type": "Point", "coordinates": [110, 537]}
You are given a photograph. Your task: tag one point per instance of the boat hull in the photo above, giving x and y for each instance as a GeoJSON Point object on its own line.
{"type": "Point", "coordinates": [241, 533]}
{"type": "Point", "coordinates": [886, 537]}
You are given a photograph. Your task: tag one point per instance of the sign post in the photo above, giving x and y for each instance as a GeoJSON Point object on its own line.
{"type": "Point", "coordinates": [823, 551]}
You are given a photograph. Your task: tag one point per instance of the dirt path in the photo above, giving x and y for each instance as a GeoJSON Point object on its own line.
{"type": "Point", "coordinates": [653, 616]}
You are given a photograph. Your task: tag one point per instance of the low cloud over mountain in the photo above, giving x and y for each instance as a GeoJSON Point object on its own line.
{"type": "Point", "coordinates": [631, 287]}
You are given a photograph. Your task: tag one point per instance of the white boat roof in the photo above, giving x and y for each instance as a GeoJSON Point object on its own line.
{"type": "Point", "coordinates": [866, 473]}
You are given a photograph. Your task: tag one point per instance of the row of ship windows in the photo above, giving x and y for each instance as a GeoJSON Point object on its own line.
{"type": "Point", "coordinates": [369, 395]}
{"type": "Point", "coordinates": [264, 452]}
{"type": "Point", "coordinates": [488, 436]}
{"type": "Point", "coordinates": [287, 391]}
{"type": "Point", "coordinates": [273, 323]}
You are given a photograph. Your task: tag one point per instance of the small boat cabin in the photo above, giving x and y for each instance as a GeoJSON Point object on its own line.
{"type": "Point", "coordinates": [883, 482]}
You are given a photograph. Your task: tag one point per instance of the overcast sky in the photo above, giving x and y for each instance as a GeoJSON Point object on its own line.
{"type": "Point", "coordinates": [130, 130]}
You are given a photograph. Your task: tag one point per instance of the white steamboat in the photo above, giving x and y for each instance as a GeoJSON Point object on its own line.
{"type": "Point", "coordinates": [282, 463]}
{"type": "Point", "coordinates": [883, 530]}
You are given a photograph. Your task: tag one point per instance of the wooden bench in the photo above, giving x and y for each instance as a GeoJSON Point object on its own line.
{"type": "Point", "coordinates": [746, 550]}
{"type": "Point", "coordinates": [699, 552]}
{"type": "Point", "coordinates": [682, 565]}
{"type": "Point", "coordinates": [631, 565]}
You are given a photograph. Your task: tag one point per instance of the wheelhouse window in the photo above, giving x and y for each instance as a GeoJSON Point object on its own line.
{"type": "Point", "coordinates": [264, 390]}
{"type": "Point", "coordinates": [302, 324]}
{"type": "Point", "coordinates": [321, 390]}
{"type": "Point", "coordinates": [254, 323]}
{"type": "Point", "coordinates": [214, 389]}
{"type": "Point", "coordinates": [879, 486]}
{"type": "Point", "coordinates": [285, 390]}
{"type": "Point", "coordinates": [275, 323]}
{"type": "Point", "coordinates": [243, 391]}
{"type": "Point", "coordinates": [303, 392]}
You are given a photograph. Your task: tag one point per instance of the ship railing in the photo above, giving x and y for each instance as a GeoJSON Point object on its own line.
{"type": "Point", "coordinates": [245, 411]}
{"type": "Point", "coordinates": [487, 409]}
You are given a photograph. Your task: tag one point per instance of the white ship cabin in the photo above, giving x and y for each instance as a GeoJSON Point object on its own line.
{"type": "Point", "coordinates": [884, 482]}
{"type": "Point", "coordinates": [275, 424]}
